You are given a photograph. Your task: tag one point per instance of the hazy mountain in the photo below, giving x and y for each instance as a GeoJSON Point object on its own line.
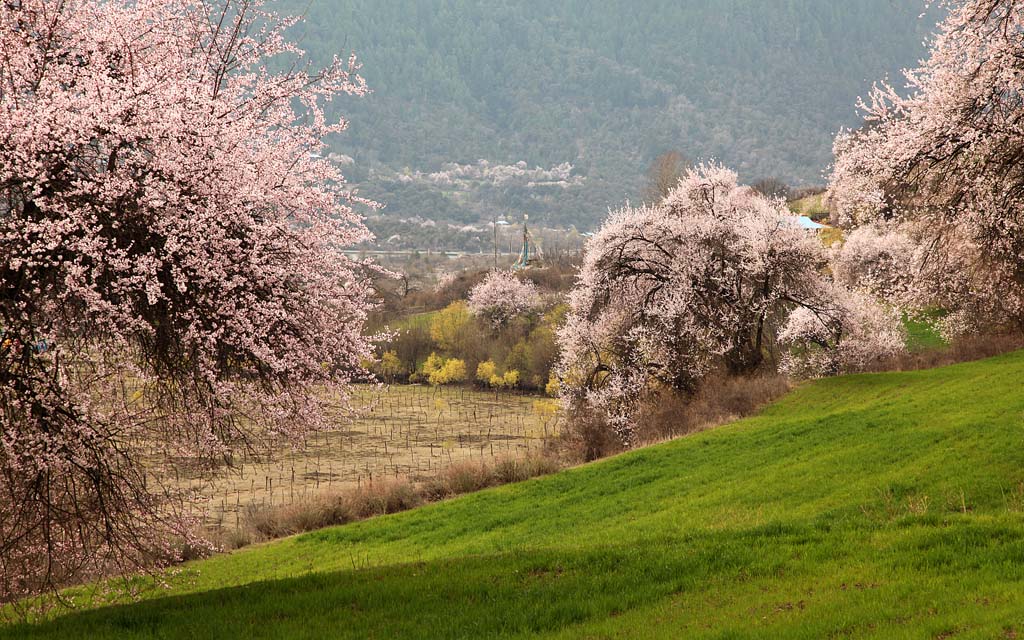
{"type": "Point", "coordinates": [605, 85]}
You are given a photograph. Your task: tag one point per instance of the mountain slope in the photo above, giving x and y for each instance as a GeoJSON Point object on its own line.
{"type": "Point", "coordinates": [606, 85]}
{"type": "Point", "coordinates": [887, 505]}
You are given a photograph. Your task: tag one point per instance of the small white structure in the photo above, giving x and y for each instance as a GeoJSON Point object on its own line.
{"type": "Point", "coordinates": [803, 222]}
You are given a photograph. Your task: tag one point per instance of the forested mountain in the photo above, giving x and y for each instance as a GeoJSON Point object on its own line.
{"type": "Point", "coordinates": [604, 85]}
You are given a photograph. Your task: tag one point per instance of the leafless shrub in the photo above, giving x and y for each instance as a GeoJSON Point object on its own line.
{"type": "Point", "coordinates": [799, 193]}
{"type": "Point", "coordinates": [468, 477]}
{"type": "Point", "coordinates": [720, 399]}
{"type": "Point", "coordinates": [509, 470]}
{"type": "Point", "coordinates": [772, 188]}
{"type": "Point", "coordinates": [587, 436]}
{"type": "Point", "coordinates": [235, 539]}
{"type": "Point", "coordinates": [382, 498]}
{"type": "Point", "coordinates": [459, 478]}
{"type": "Point", "coordinates": [555, 276]}
{"type": "Point", "coordinates": [663, 175]}
{"type": "Point", "coordinates": [264, 522]}
{"type": "Point", "coordinates": [964, 349]}
{"type": "Point", "coordinates": [274, 522]}
{"type": "Point", "coordinates": [667, 413]}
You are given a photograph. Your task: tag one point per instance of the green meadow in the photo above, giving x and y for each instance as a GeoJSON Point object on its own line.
{"type": "Point", "coordinates": [882, 505]}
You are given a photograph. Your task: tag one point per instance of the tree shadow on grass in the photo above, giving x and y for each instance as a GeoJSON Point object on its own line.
{"type": "Point", "coordinates": [523, 594]}
{"type": "Point", "coordinates": [514, 594]}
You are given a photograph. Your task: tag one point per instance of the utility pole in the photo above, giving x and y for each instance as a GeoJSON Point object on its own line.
{"type": "Point", "coordinates": [526, 238]}
{"type": "Point", "coordinates": [494, 225]}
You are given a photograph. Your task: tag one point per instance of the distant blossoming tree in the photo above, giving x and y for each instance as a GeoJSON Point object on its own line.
{"type": "Point", "coordinates": [170, 276]}
{"type": "Point", "coordinates": [445, 279]}
{"type": "Point", "coordinates": [669, 292]}
{"type": "Point", "coordinates": [501, 296]}
{"type": "Point", "coordinates": [944, 164]}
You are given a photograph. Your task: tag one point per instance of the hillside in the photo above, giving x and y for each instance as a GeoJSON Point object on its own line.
{"type": "Point", "coordinates": [887, 505]}
{"type": "Point", "coordinates": [604, 85]}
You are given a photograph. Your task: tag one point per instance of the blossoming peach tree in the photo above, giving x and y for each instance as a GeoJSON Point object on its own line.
{"type": "Point", "coordinates": [704, 280]}
{"type": "Point", "coordinates": [849, 333]}
{"type": "Point", "coordinates": [939, 163]}
{"type": "Point", "coordinates": [501, 296]}
{"type": "Point", "coordinates": [170, 273]}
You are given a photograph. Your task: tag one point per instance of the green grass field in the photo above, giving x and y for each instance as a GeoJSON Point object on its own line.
{"type": "Point", "coordinates": [415, 321]}
{"type": "Point", "coordinates": [884, 505]}
{"type": "Point", "coordinates": [922, 334]}
{"type": "Point", "coordinates": [811, 206]}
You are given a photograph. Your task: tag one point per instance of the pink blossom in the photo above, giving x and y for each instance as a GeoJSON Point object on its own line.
{"type": "Point", "coordinates": [879, 260]}
{"type": "Point", "coordinates": [501, 296]}
{"type": "Point", "coordinates": [848, 335]}
{"type": "Point", "coordinates": [940, 162]}
{"type": "Point", "coordinates": [171, 273]}
{"type": "Point", "coordinates": [669, 292]}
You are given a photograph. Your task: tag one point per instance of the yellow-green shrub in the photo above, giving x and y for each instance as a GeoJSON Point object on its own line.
{"type": "Point", "coordinates": [450, 326]}
{"type": "Point", "coordinates": [391, 366]}
{"type": "Point", "coordinates": [553, 387]}
{"type": "Point", "coordinates": [433, 364]}
{"type": "Point", "coordinates": [510, 379]}
{"type": "Point", "coordinates": [485, 371]}
{"type": "Point", "coordinates": [450, 372]}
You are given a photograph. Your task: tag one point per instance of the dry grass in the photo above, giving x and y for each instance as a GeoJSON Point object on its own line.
{"type": "Point", "coordinates": [264, 522]}
{"type": "Point", "coordinates": [965, 349]}
{"type": "Point", "coordinates": [408, 433]}
{"type": "Point", "coordinates": [668, 414]}
{"type": "Point", "coordinates": [467, 477]}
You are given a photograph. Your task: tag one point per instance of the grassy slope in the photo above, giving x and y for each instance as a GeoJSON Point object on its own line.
{"type": "Point", "coordinates": [887, 505]}
{"type": "Point", "coordinates": [416, 321]}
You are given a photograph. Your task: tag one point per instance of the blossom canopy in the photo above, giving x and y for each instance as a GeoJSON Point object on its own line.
{"type": "Point", "coordinates": [501, 296]}
{"type": "Point", "coordinates": [170, 233]}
